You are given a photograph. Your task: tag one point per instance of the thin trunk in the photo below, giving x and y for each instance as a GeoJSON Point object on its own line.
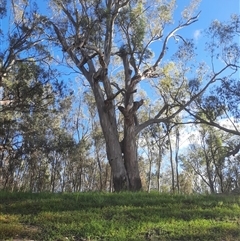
{"type": "Point", "coordinates": [209, 174]}
{"type": "Point", "coordinates": [149, 176]}
{"type": "Point", "coordinates": [111, 181]}
{"type": "Point", "coordinates": [80, 178]}
{"type": "Point", "coordinates": [150, 166]}
{"type": "Point", "coordinates": [159, 166]}
{"type": "Point", "coordinates": [172, 165]}
{"type": "Point", "coordinates": [176, 160]}
{"type": "Point", "coordinates": [100, 172]}
{"type": "Point", "coordinates": [53, 177]}
{"type": "Point", "coordinates": [96, 145]}
{"type": "Point", "coordinates": [237, 178]}
{"type": "Point", "coordinates": [106, 176]}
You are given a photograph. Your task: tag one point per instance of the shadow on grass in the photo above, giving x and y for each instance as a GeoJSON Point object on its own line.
{"type": "Point", "coordinates": [125, 216]}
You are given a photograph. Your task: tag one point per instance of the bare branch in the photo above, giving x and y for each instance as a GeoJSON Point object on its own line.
{"type": "Point", "coordinates": [65, 46]}
{"type": "Point", "coordinates": [171, 34]}
{"type": "Point", "coordinates": [69, 15]}
{"type": "Point", "coordinates": [116, 94]}
{"type": "Point", "coordinates": [149, 122]}
{"type": "Point", "coordinates": [6, 102]}
{"type": "Point", "coordinates": [211, 123]}
{"type": "Point", "coordinates": [165, 107]}
{"type": "Point", "coordinates": [164, 47]}
{"type": "Point", "coordinates": [181, 106]}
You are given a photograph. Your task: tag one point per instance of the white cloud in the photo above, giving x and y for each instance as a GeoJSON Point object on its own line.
{"type": "Point", "coordinates": [197, 34]}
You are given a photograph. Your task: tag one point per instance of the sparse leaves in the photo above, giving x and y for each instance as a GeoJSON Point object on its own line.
{"type": "Point", "coordinates": [191, 9]}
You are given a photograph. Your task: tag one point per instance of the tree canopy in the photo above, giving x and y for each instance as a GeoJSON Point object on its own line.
{"type": "Point", "coordinates": [126, 56]}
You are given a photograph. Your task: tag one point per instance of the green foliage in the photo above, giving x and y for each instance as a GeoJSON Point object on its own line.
{"type": "Point", "coordinates": [189, 11]}
{"type": "Point", "coordinates": [138, 25]}
{"type": "Point", "coordinates": [122, 216]}
{"type": "Point", "coordinates": [165, 11]}
{"type": "Point", "coordinates": [133, 22]}
{"type": "Point", "coordinates": [209, 158]}
{"type": "Point", "coordinates": [31, 132]}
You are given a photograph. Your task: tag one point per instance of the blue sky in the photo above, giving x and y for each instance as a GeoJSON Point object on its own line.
{"type": "Point", "coordinates": [218, 9]}
{"type": "Point", "coordinates": [212, 10]}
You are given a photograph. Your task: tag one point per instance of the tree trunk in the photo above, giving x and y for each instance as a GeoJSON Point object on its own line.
{"type": "Point", "coordinates": [171, 162]}
{"type": "Point", "coordinates": [159, 165]}
{"type": "Point", "coordinates": [114, 155]}
{"type": "Point", "coordinates": [130, 155]}
{"type": "Point", "coordinates": [106, 111]}
{"type": "Point", "coordinates": [100, 172]}
{"type": "Point", "coordinates": [176, 160]}
{"type": "Point", "coordinates": [149, 176]}
{"type": "Point", "coordinates": [209, 175]}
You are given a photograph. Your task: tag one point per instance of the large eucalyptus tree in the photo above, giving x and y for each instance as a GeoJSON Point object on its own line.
{"type": "Point", "coordinates": [92, 34]}
{"type": "Point", "coordinates": [95, 36]}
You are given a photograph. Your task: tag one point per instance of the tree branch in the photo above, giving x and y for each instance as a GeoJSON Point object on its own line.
{"type": "Point", "coordinates": [65, 46]}
{"type": "Point", "coordinates": [181, 106]}
{"type": "Point", "coordinates": [164, 47]}
{"type": "Point", "coordinates": [69, 15]}
{"type": "Point", "coordinates": [211, 123]}
{"type": "Point", "coordinates": [115, 95]}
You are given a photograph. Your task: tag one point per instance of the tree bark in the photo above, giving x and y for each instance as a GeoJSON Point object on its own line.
{"type": "Point", "coordinates": [108, 123]}
{"type": "Point", "coordinates": [159, 165]}
{"type": "Point", "coordinates": [130, 155]}
{"type": "Point", "coordinates": [171, 162]}
{"type": "Point", "coordinates": [150, 175]}
{"type": "Point", "coordinates": [176, 159]}
{"type": "Point", "coordinates": [209, 175]}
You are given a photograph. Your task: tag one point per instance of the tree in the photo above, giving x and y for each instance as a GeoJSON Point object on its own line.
{"type": "Point", "coordinates": [21, 76]}
{"type": "Point", "coordinates": [29, 95]}
{"type": "Point", "coordinates": [210, 158]}
{"type": "Point", "coordinates": [92, 54]}
{"type": "Point", "coordinates": [92, 34]}
{"type": "Point", "coordinates": [222, 100]}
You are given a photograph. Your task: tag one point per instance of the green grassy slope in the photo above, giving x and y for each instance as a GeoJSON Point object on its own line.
{"type": "Point", "coordinates": [119, 216]}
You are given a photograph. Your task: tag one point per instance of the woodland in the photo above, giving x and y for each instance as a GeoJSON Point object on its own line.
{"type": "Point", "coordinates": [110, 95]}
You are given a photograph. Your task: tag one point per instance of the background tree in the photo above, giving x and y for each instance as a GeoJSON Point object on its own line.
{"type": "Point", "coordinates": [29, 98]}
{"type": "Point", "coordinates": [221, 101]}
{"type": "Point", "coordinates": [210, 158]}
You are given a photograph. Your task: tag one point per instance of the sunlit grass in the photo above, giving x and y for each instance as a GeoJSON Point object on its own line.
{"type": "Point", "coordinates": [119, 216]}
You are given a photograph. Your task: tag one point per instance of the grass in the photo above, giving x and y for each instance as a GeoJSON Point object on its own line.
{"type": "Point", "coordinates": [119, 216]}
